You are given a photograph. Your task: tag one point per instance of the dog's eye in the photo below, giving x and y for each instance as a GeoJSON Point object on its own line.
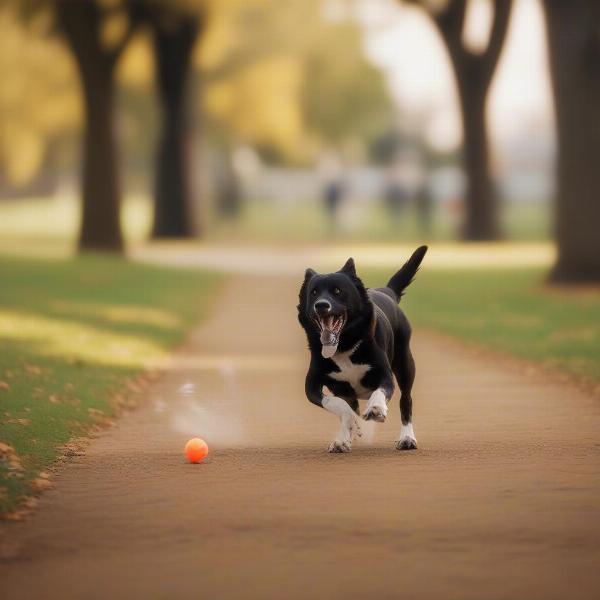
{"type": "Point", "coordinates": [314, 293]}
{"type": "Point", "coordinates": [337, 291]}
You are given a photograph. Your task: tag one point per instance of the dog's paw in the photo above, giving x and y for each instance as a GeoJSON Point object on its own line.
{"type": "Point", "coordinates": [406, 443]}
{"type": "Point", "coordinates": [376, 409]}
{"type": "Point", "coordinates": [350, 427]}
{"type": "Point", "coordinates": [375, 413]}
{"type": "Point", "coordinates": [337, 446]}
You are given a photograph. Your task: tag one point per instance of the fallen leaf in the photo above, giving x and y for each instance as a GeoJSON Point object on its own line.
{"type": "Point", "coordinates": [33, 369]}
{"type": "Point", "coordinates": [6, 448]}
{"type": "Point", "coordinates": [17, 515]}
{"type": "Point", "coordinates": [30, 502]}
{"type": "Point", "coordinates": [39, 484]}
{"type": "Point", "coordinates": [19, 421]}
{"type": "Point", "coordinates": [133, 386]}
{"type": "Point", "coordinates": [4, 385]}
{"type": "Point", "coordinates": [14, 464]}
{"type": "Point", "coordinates": [27, 506]}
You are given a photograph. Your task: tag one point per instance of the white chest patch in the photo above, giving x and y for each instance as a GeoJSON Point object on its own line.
{"type": "Point", "coordinates": [350, 372]}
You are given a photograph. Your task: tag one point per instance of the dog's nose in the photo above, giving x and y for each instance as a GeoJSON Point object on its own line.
{"type": "Point", "coordinates": [322, 306]}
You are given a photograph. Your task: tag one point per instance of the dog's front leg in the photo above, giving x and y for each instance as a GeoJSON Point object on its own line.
{"type": "Point", "coordinates": [349, 425]}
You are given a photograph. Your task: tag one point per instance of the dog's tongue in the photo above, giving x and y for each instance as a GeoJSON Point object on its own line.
{"type": "Point", "coordinates": [328, 351]}
{"type": "Point", "coordinates": [329, 339]}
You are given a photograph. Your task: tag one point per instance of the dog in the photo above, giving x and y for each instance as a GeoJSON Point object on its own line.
{"type": "Point", "coordinates": [359, 339]}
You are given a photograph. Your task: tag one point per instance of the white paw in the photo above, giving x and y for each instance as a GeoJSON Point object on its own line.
{"type": "Point", "coordinates": [406, 443]}
{"type": "Point", "coordinates": [376, 409]}
{"type": "Point", "coordinates": [407, 440]}
{"type": "Point", "coordinates": [349, 427]}
{"type": "Point", "coordinates": [375, 413]}
{"type": "Point", "coordinates": [338, 446]}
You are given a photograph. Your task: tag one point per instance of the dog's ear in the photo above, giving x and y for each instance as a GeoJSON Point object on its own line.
{"type": "Point", "coordinates": [349, 268]}
{"type": "Point", "coordinates": [309, 274]}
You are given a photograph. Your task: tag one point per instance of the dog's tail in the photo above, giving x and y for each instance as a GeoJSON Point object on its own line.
{"type": "Point", "coordinates": [402, 279]}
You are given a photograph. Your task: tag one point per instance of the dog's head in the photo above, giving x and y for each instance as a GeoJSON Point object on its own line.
{"type": "Point", "coordinates": [331, 305]}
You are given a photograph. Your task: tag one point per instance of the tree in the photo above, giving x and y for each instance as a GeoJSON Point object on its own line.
{"type": "Point", "coordinates": [473, 72]}
{"type": "Point", "coordinates": [344, 97]}
{"type": "Point", "coordinates": [31, 130]}
{"type": "Point", "coordinates": [86, 27]}
{"type": "Point", "coordinates": [290, 91]}
{"type": "Point", "coordinates": [574, 52]}
{"type": "Point", "coordinates": [174, 33]}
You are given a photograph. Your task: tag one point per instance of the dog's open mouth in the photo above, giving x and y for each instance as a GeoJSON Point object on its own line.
{"type": "Point", "coordinates": [331, 327]}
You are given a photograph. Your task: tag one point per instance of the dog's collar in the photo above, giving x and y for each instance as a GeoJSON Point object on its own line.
{"type": "Point", "coordinates": [376, 313]}
{"type": "Point", "coordinates": [373, 320]}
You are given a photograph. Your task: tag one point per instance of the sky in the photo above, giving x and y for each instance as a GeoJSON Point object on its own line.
{"type": "Point", "coordinates": [401, 40]}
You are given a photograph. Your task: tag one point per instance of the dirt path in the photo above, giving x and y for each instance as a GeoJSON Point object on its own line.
{"type": "Point", "coordinates": [502, 500]}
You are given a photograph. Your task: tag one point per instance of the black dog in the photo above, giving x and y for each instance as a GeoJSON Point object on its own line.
{"type": "Point", "coordinates": [357, 339]}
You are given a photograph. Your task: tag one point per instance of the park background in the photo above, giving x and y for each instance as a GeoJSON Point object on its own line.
{"type": "Point", "coordinates": [136, 137]}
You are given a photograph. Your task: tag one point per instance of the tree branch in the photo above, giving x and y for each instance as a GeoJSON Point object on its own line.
{"type": "Point", "coordinates": [450, 23]}
{"type": "Point", "coordinates": [80, 23]}
{"type": "Point", "coordinates": [451, 20]}
{"type": "Point", "coordinates": [135, 17]}
{"type": "Point", "coordinates": [473, 66]}
{"type": "Point", "coordinates": [489, 57]}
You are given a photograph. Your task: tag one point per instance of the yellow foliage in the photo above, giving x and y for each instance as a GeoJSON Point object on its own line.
{"type": "Point", "coordinates": [251, 56]}
{"type": "Point", "coordinates": [23, 153]}
{"type": "Point", "coordinates": [219, 34]}
{"type": "Point", "coordinates": [36, 101]}
{"type": "Point", "coordinates": [113, 29]}
{"type": "Point", "coordinates": [223, 29]}
{"type": "Point", "coordinates": [260, 103]}
{"type": "Point", "coordinates": [136, 66]}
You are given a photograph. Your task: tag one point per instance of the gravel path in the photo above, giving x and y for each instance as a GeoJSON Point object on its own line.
{"type": "Point", "coordinates": [502, 499]}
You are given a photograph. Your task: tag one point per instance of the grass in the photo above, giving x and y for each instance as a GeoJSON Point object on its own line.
{"type": "Point", "coordinates": [73, 334]}
{"type": "Point", "coordinates": [370, 222]}
{"type": "Point", "coordinates": [49, 224]}
{"type": "Point", "coordinates": [509, 310]}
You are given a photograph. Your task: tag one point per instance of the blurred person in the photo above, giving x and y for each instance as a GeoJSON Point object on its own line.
{"type": "Point", "coordinates": [424, 200]}
{"type": "Point", "coordinates": [333, 186]}
{"type": "Point", "coordinates": [396, 189]}
{"type": "Point", "coordinates": [227, 187]}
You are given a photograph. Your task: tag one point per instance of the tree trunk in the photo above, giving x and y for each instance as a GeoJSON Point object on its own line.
{"type": "Point", "coordinates": [473, 73]}
{"type": "Point", "coordinates": [574, 52]}
{"type": "Point", "coordinates": [81, 24]}
{"type": "Point", "coordinates": [173, 49]}
{"type": "Point", "coordinates": [100, 224]}
{"type": "Point", "coordinates": [481, 206]}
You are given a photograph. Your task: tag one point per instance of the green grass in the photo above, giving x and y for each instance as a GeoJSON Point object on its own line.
{"type": "Point", "coordinates": [370, 222]}
{"type": "Point", "coordinates": [509, 310]}
{"type": "Point", "coordinates": [72, 334]}
{"type": "Point", "coordinates": [49, 225]}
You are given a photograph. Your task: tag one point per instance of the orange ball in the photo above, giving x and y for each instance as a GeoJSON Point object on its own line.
{"type": "Point", "coordinates": [196, 450]}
